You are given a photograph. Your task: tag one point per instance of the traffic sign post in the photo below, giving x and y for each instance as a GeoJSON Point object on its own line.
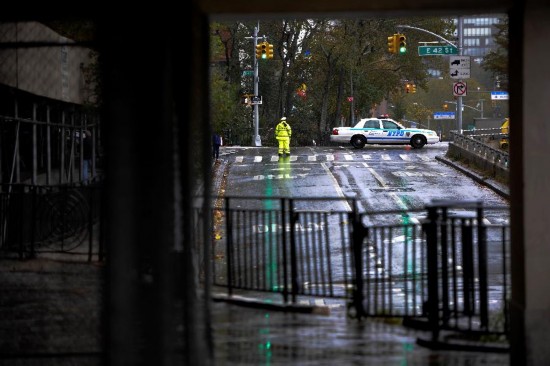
{"type": "Point", "coordinates": [437, 50]}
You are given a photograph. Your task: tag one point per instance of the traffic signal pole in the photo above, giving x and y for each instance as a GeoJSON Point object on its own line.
{"type": "Point", "coordinates": [459, 47]}
{"type": "Point", "coordinates": [256, 140]}
{"type": "Point", "coordinates": [459, 98]}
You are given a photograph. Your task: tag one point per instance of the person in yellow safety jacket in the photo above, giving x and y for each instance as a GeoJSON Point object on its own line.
{"type": "Point", "coordinates": [283, 133]}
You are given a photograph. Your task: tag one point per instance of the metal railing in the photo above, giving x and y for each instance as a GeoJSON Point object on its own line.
{"type": "Point", "coordinates": [61, 221]}
{"type": "Point", "coordinates": [476, 142]}
{"type": "Point", "coordinates": [445, 267]}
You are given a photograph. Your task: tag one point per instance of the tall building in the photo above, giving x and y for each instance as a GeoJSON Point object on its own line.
{"type": "Point", "coordinates": [478, 33]}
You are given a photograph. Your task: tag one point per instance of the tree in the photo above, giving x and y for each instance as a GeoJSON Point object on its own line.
{"type": "Point", "coordinates": [335, 59]}
{"type": "Point", "coordinates": [496, 61]}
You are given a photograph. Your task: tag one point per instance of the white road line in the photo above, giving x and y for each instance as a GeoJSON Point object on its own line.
{"type": "Point", "coordinates": [257, 159]}
{"type": "Point", "coordinates": [405, 157]}
{"type": "Point", "coordinates": [330, 157]}
{"type": "Point", "coordinates": [348, 157]}
{"type": "Point", "coordinates": [381, 181]}
{"type": "Point", "coordinates": [425, 158]}
{"type": "Point", "coordinates": [312, 158]}
{"type": "Point", "coordinates": [385, 157]}
{"type": "Point", "coordinates": [239, 159]}
{"type": "Point", "coordinates": [339, 191]}
{"type": "Point", "coordinates": [274, 158]}
{"type": "Point", "coordinates": [293, 158]}
{"type": "Point", "coordinates": [367, 157]}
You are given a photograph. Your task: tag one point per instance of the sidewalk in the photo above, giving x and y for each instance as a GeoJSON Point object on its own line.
{"type": "Point", "coordinates": [51, 315]}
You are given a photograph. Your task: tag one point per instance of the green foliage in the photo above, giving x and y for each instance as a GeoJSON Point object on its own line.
{"type": "Point", "coordinates": [497, 61]}
{"type": "Point", "coordinates": [335, 59]}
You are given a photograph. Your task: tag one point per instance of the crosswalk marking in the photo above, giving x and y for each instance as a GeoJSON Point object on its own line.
{"type": "Point", "coordinates": [331, 157]}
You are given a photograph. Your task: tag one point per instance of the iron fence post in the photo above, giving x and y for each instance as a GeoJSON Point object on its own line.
{"type": "Point", "coordinates": [433, 279]}
{"type": "Point", "coordinates": [357, 250]}
{"type": "Point", "coordinates": [229, 246]}
{"type": "Point", "coordinates": [482, 257]}
{"type": "Point", "coordinates": [293, 257]}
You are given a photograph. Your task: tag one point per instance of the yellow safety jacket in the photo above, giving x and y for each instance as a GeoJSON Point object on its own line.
{"type": "Point", "coordinates": [283, 130]}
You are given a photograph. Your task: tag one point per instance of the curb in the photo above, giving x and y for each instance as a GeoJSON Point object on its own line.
{"type": "Point", "coordinates": [269, 305]}
{"type": "Point", "coordinates": [497, 187]}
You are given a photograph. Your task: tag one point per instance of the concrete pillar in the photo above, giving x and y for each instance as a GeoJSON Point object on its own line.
{"type": "Point", "coordinates": [530, 172]}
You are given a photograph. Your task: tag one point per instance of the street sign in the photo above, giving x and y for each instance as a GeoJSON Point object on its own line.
{"type": "Point", "coordinates": [257, 99]}
{"type": "Point", "coordinates": [444, 115]}
{"type": "Point", "coordinates": [459, 89]}
{"type": "Point", "coordinates": [499, 95]}
{"type": "Point", "coordinates": [437, 50]}
{"type": "Point", "coordinates": [248, 73]}
{"type": "Point", "coordinates": [459, 67]}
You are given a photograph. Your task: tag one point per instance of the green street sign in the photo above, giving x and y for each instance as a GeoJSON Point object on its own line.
{"type": "Point", "coordinates": [437, 50]}
{"type": "Point", "coordinates": [248, 73]}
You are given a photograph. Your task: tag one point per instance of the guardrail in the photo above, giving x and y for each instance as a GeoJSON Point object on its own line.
{"type": "Point", "coordinates": [475, 141]}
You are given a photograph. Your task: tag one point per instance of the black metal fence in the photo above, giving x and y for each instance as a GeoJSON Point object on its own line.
{"type": "Point", "coordinates": [442, 268]}
{"type": "Point", "coordinates": [445, 267]}
{"type": "Point", "coordinates": [51, 220]}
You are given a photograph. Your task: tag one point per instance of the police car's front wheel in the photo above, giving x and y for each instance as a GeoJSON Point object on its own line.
{"type": "Point", "coordinates": [418, 141]}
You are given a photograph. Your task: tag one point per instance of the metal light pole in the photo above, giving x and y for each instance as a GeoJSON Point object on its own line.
{"type": "Point", "coordinates": [459, 98]}
{"type": "Point", "coordinates": [459, 48]}
{"type": "Point", "coordinates": [256, 140]}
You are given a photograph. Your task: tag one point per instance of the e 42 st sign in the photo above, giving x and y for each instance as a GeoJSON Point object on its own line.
{"type": "Point", "coordinates": [437, 50]}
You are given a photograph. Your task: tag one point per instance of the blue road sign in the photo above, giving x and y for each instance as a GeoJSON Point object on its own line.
{"type": "Point", "coordinates": [444, 115]}
{"type": "Point", "coordinates": [499, 95]}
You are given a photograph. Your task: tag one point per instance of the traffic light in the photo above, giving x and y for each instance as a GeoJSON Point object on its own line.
{"type": "Point", "coordinates": [261, 50]}
{"type": "Point", "coordinates": [269, 51]}
{"type": "Point", "coordinates": [392, 44]}
{"type": "Point", "coordinates": [413, 88]}
{"type": "Point", "coordinates": [407, 88]}
{"type": "Point", "coordinates": [401, 43]}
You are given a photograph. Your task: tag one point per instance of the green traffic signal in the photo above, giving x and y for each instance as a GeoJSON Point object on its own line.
{"type": "Point", "coordinates": [402, 43]}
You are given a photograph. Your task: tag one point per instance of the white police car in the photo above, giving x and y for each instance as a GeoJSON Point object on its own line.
{"type": "Point", "coordinates": [383, 131]}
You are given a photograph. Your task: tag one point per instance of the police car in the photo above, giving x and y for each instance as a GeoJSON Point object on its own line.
{"type": "Point", "coordinates": [383, 131]}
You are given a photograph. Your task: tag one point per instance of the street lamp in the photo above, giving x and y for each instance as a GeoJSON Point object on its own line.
{"type": "Point", "coordinates": [464, 105]}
